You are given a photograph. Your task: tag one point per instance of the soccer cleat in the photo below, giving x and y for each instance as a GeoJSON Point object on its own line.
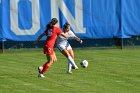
{"type": "Point", "coordinates": [40, 69]}
{"type": "Point", "coordinates": [69, 72]}
{"type": "Point", "coordinates": [73, 67]}
{"type": "Point", "coordinates": [41, 76]}
{"type": "Point", "coordinates": [76, 68]}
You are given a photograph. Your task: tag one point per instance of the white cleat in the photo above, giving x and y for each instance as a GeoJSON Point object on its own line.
{"type": "Point", "coordinates": [40, 68]}
{"type": "Point", "coordinates": [41, 76]}
{"type": "Point", "coordinates": [76, 68]}
{"type": "Point", "coordinates": [69, 72]}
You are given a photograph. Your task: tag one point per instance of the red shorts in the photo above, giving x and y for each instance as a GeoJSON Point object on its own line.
{"type": "Point", "coordinates": [48, 50]}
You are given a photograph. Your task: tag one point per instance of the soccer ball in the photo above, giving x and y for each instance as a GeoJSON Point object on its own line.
{"type": "Point", "coordinates": [84, 63]}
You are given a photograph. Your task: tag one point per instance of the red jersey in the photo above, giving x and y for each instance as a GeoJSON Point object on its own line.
{"type": "Point", "coordinates": [51, 36]}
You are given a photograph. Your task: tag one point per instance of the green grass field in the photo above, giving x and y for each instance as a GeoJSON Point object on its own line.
{"type": "Point", "coordinates": [109, 71]}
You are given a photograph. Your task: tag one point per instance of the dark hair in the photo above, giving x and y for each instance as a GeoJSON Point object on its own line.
{"type": "Point", "coordinates": [54, 21]}
{"type": "Point", "coordinates": [66, 25]}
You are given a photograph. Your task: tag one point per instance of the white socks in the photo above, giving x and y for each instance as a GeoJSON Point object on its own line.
{"type": "Point", "coordinates": [69, 67]}
{"type": "Point", "coordinates": [71, 63]}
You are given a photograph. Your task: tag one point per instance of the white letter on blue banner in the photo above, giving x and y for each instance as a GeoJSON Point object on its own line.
{"type": "Point", "coordinates": [35, 18]}
{"type": "Point", "coordinates": [77, 23]}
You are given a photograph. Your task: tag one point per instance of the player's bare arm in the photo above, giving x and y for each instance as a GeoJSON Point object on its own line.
{"type": "Point", "coordinates": [38, 39]}
{"type": "Point", "coordinates": [64, 35]}
{"type": "Point", "coordinates": [78, 39]}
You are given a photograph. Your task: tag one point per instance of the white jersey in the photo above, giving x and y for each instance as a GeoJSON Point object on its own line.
{"type": "Point", "coordinates": [62, 40]}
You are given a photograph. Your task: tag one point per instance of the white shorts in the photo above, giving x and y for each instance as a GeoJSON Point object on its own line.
{"type": "Point", "coordinates": [61, 47]}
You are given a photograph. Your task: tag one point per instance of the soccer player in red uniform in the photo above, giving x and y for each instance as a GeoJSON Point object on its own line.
{"type": "Point", "coordinates": [52, 31]}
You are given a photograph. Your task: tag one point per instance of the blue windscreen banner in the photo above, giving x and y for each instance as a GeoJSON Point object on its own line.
{"type": "Point", "coordinates": [0, 20]}
{"type": "Point", "coordinates": [25, 20]}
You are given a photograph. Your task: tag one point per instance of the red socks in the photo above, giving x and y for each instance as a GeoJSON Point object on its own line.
{"type": "Point", "coordinates": [45, 68]}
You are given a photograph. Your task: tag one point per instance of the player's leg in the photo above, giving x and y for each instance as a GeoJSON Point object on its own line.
{"type": "Point", "coordinates": [55, 58]}
{"type": "Point", "coordinates": [66, 54]}
{"type": "Point", "coordinates": [69, 68]}
{"type": "Point", "coordinates": [51, 57]}
{"type": "Point", "coordinates": [70, 59]}
{"type": "Point", "coordinates": [70, 50]}
{"type": "Point", "coordinates": [71, 53]}
{"type": "Point", "coordinates": [63, 49]}
{"type": "Point", "coordinates": [47, 65]}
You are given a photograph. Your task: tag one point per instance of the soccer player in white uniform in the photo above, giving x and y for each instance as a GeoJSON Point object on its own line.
{"type": "Point", "coordinates": [65, 48]}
